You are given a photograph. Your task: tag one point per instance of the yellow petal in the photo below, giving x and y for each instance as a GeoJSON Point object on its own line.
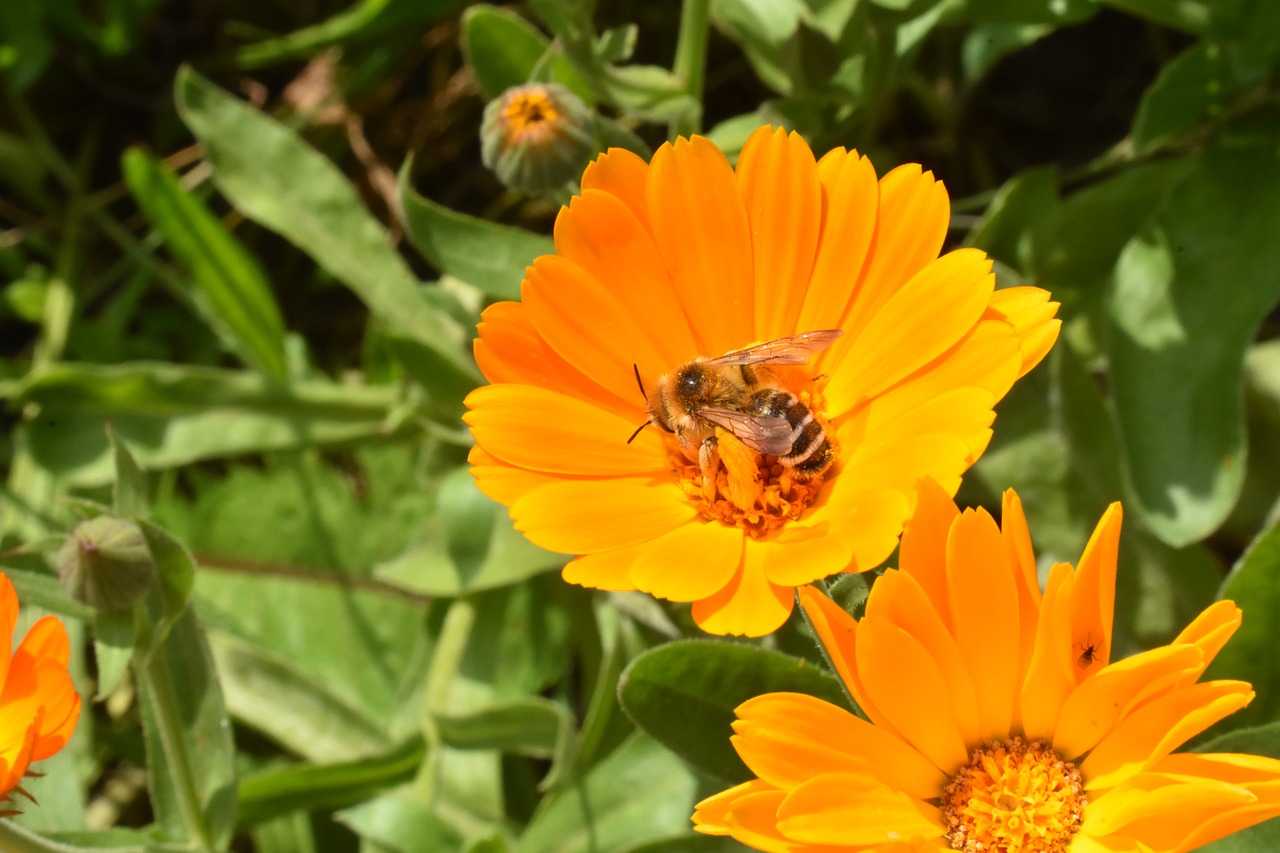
{"type": "Point", "coordinates": [1031, 313]}
{"type": "Point", "coordinates": [694, 561]}
{"type": "Point", "coordinates": [589, 516]}
{"type": "Point", "coordinates": [854, 810]}
{"type": "Point", "coordinates": [710, 815]}
{"type": "Point", "coordinates": [795, 560]}
{"type": "Point", "coordinates": [1210, 631]}
{"type": "Point", "coordinates": [1159, 727]}
{"type": "Point", "coordinates": [929, 314]}
{"type": "Point", "coordinates": [609, 570]}
{"type": "Point", "coordinates": [749, 604]}
{"type": "Point", "coordinates": [543, 430]}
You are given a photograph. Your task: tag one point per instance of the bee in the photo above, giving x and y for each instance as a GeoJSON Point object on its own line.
{"type": "Point", "coordinates": [1089, 654]}
{"type": "Point", "coordinates": [739, 393]}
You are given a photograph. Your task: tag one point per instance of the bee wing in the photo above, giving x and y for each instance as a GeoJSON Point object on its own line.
{"type": "Point", "coordinates": [793, 349]}
{"type": "Point", "coordinates": [766, 435]}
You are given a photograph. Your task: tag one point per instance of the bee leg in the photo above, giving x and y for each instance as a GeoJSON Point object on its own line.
{"type": "Point", "coordinates": [709, 461]}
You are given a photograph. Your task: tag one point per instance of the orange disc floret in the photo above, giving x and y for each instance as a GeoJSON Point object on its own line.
{"type": "Point", "coordinates": [983, 732]}
{"type": "Point", "coordinates": [38, 704]}
{"type": "Point", "coordinates": [688, 257]}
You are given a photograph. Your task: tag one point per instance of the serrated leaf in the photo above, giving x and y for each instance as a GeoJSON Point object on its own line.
{"type": "Point", "coordinates": [684, 695]}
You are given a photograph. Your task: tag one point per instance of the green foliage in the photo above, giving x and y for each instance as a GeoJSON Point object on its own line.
{"type": "Point", "coordinates": [237, 307]}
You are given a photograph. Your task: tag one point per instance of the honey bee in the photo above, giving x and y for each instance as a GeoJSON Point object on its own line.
{"type": "Point", "coordinates": [739, 393]}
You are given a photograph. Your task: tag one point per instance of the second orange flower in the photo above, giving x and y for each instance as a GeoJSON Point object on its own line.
{"type": "Point", "coordinates": [687, 257]}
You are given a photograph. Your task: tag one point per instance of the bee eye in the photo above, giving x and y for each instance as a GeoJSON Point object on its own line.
{"type": "Point", "coordinates": [690, 382]}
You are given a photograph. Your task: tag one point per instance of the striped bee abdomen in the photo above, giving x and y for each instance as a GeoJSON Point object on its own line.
{"type": "Point", "coordinates": [810, 452]}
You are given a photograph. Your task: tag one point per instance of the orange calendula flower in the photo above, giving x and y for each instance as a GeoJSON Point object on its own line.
{"type": "Point", "coordinates": [997, 722]}
{"type": "Point", "coordinates": [858, 362]}
{"type": "Point", "coordinates": [38, 705]}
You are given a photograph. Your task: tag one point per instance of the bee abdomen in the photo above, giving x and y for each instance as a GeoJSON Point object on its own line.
{"type": "Point", "coordinates": [810, 452]}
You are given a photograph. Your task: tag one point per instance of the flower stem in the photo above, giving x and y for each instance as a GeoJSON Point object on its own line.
{"type": "Point", "coordinates": [691, 61]}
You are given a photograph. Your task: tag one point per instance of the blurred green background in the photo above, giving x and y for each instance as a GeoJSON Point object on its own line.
{"type": "Point", "coordinates": [255, 238]}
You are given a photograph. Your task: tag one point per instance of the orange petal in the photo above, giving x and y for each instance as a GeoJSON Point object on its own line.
{"type": "Point", "coordinates": [912, 220]}
{"type": "Point", "coordinates": [1161, 815]}
{"type": "Point", "coordinates": [623, 174]}
{"type": "Point", "coordinates": [787, 738]}
{"type": "Point", "coordinates": [590, 328]}
{"type": "Point", "coordinates": [700, 226]}
{"type": "Point", "coordinates": [799, 557]}
{"type": "Point", "coordinates": [1094, 596]}
{"type": "Point", "coordinates": [1017, 543]}
{"type": "Point", "coordinates": [46, 640]}
{"type": "Point", "coordinates": [509, 349]}
{"type": "Point", "coordinates": [918, 707]}
{"type": "Point", "coordinates": [838, 633]}
{"type": "Point", "coordinates": [599, 233]}
{"type": "Point", "coordinates": [984, 611]}
{"type": "Point", "coordinates": [1209, 632]}
{"type": "Point", "coordinates": [589, 516]}
{"type": "Point", "coordinates": [929, 314]}
{"type": "Point", "coordinates": [1159, 727]}
{"type": "Point", "coordinates": [502, 482]}
{"type": "Point", "coordinates": [609, 570]}
{"type": "Point", "coordinates": [544, 430]}
{"type": "Point", "coordinates": [711, 815]}
{"type": "Point", "coordinates": [1102, 699]}
{"type": "Point", "coordinates": [753, 820]}
{"type": "Point", "coordinates": [693, 561]}
{"type": "Point", "coordinates": [778, 179]}
{"type": "Point", "coordinates": [899, 598]}
{"type": "Point", "coordinates": [8, 621]}
{"type": "Point", "coordinates": [750, 604]}
{"type": "Point", "coordinates": [855, 810]}
{"type": "Point", "coordinates": [850, 197]}
{"type": "Point", "coordinates": [923, 554]}
{"type": "Point", "coordinates": [1031, 313]}
{"type": "Point", "coordinates": [1049, 678]}
{"type": "Point", "coordinates": [57, 696]}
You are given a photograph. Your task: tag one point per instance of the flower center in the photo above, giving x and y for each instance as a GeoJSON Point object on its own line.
{"type": "Point", "coordinates": [751, 490]}
{"type": "Point", "coordinates": [1014, 797]}
{"type": "Point", "coordinates": [525, 111]}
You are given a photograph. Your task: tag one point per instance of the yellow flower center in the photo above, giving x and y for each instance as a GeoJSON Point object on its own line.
{"type": "Point", "coordinates": [1014, 797]}
{"type": "Point", "coordinates": [528, 112]}
{"type": "Point", "coordinates": [752, 490]}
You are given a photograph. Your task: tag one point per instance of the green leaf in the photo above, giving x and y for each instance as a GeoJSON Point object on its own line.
{"type": "Point", "coordinates": [1254, 585]}
{"type": "Point", "coordinates": [403, 824]}
{"type": "Point", "coordinates": [490, 256]}
{"type": "Point", "coordinates": [279, 181]}
{"type": "Point", "coordinates": [322, 669]}
{"type": "Point", "coordinates": [1180, 325]}
{"type": "Point", "coordinates": [171, 415]}
{"type": "Point", "coordinates": [684, 695]}
{"type": "Point", "coordinates": [535, 726]}
{"type": "Point", "coordinates": [639, 792]}
{"type": "Point", "coordinates": [276, 791]}
{"type": "Point", "coordinates": [365, 20]}
{"type": "Point", "coordinates": [505, 50]}
{"type": "Point", "coordinates": [231, 286]}
{"type": "Point", "coordinates": [649, 92]}
{"type": "Point", "coordinates": [469, 545]}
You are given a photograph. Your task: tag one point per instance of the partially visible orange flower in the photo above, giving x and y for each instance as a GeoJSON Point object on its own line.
{"type": "Point", "coordinates": [660, 263]}
{"type": "Point", "coordinates": [997, 723]}
{"type": "Point", "coordinates": [39, 706]}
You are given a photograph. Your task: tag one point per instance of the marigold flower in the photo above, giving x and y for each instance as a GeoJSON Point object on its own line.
{"type": "Point", "coordinates": [38, 704]}
{"type": "Point", "coordinates": [660, 263]}
{"type": "Point", "coordinates": [997, 723]}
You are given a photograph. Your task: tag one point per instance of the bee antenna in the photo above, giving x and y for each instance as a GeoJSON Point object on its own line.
{"type": "Point", "coordinates": [637, 432]}
{"type": "Point", "coordinates": [643, 393]}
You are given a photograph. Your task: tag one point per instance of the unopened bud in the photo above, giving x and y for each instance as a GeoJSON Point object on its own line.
{"type": "Point", "coordinates": [537, 137]}
{"type": "Point", "coordinates": [105, 563]}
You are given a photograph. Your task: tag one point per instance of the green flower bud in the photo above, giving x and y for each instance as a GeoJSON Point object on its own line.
{"type": "Point", "coordinates": [105, 563]}
{"type": "Point", "coordinates": [537, 137]}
